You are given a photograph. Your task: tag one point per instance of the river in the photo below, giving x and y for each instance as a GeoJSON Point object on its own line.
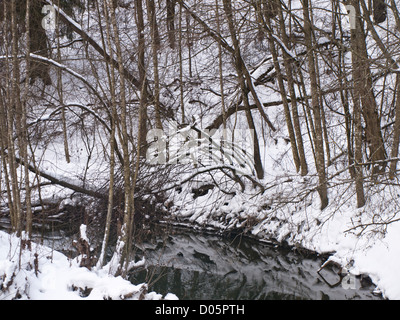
{"type": "Point", "coordinates": [198, 266]}
{"type": "Point", "coordinates": [195, 265]}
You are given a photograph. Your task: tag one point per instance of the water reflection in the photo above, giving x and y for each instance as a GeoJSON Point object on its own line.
{"type": "Point", "coordinates": [198, 266]}
{"type": "Point", "coordinates": [195, 266]}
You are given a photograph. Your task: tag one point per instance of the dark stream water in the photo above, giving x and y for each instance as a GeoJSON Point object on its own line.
{"type": "Point", "coordinates": [197, 266]}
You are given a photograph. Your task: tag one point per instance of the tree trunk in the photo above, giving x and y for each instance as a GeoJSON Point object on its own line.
{"type": "Point", "coordinates": [142, 72]}
{"type": "Point", "coordinates": [363, 88]}
{"type": "Point", "coordinates": [182, 94]}
{"type": "Point", "coordinates": [38, 44]}
{"type": "Point", "coordinates": [171, 22]}
{"type": "Point", "coordinates": [359, 83]}
{"type": "Point", "coordinates": [290, 79]}
{"type": "Point", "coordinates": [396, 133]}
{"type": "Point", "coordinates": [15, 112]}
{"type": "Point", "coordinates": [125, 238]}
{"type": "Point", "coordinates": [24, 129]}
{"type": "Point", "coordinates": [113, 119]}
{"type": "Point", "coordinates": [239, 69]}
{"type": "Point", "coordinates": [60, 93]}
{"type": "Point", "coordinates": [220, 66]}
{"type": "Point", "coordinates": [380, 11]}
{"type": "Point", "coordinates": [319, 144]}
{"type": "Point", "coordinates": [282, 89]}
{"type": "Point", "coordinates": [155, 43]}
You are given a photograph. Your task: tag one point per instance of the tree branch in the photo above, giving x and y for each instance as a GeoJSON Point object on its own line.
{"type": "Point", "coordinates": [63, 183]}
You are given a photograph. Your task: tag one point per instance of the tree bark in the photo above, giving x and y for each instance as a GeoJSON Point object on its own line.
{"type": "Point", "coordinates": [180, 53]}
{"type": "Point", "coordinates": [15, 113]}
{"type": "Point", "coordinates": [396, 133]}
{"type": "Point", "coordinates": [363, 88]}
{"type": "Point", "coordinates": [220, 66]}
{"type": "Point", "coordinates": [142, 73]}
{"type": "Point", "coordinates": [24, 126]}
{"type": "Point", "coordinates": [126, 237]}
{"type": "Point", "coordinates": [239, 69]}
{"type": "Point", "coordinates": [113, 119]}
{"type": "Point", "coordinates": [282, 90]}
{"type": "Point", "coordinates": [155, 43]}
{"type": "Point", "coordinates": [171, 22]}
{"type": "Point", "coordinates": [359, 83]}
{"type": "Point", "coordinates": [288, 63]}
{"type": "Point", "coordinates": [319, 144]}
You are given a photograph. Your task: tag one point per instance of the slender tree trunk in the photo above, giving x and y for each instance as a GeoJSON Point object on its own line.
{"type": "Point", "coordinates": [152, 14]}
{"type": "Point", "coordinates": [337, 29]}
{"type": "Point", "coordinates": [171, 22]}
{"type": "Point", "coordinates": [220, 65]}
{"type": "Point", "coordinates": [290, 79]}
{"type": "Point", "coordinates": [189, 43]}
{"type": "Point", "coordinates": [140, 138]}
{"type": "Point", "coordinates": [25, 135]}
{"type": "Point", "coordinates": [358, 154]}
{"type": "Point", "coordinates": [319, 144]}
{"type": "Point", "coordinates": [282, 89]}
{"type": "Point", "coordinates": [113, 119]}
{"type": "Point", "coordinates": [142, 71]}
{"type": "Point", "coordinates": [155, 43]}
{"type": "Point", "coordinates": [396, 132]}
{"type": "Point", "coordinates": [5, 121]}
{"type": "Point", "coordinates": [125, 237]}
{"type": "Point", "coordinates": [16, 112]}
{"type": "Point", "coordinates": [364, 89]}
{"type": "Point", "coordinates": [182, 96]}
{"type": "Point", "coordinates": [358, 101]}
{"type": "Point", "coordinates": [241, 78]}
{"type": "Point", "coordinates": [5, 158]}
{"type": "Point", "coordinates": [38, 44]}
{"type": "Point", "coordinates": [61, 94]}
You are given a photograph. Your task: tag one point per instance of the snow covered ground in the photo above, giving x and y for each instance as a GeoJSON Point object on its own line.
{"type": "Point", "coordinates": [359, 240]}
{"type": "Point", "coordinates": [45, 274]}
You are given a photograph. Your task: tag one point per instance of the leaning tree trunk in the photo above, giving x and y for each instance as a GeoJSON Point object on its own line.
{"type": "Point", "coordinates": [241, 78]}
{"type": "Point", "coordinates": [282, 89]}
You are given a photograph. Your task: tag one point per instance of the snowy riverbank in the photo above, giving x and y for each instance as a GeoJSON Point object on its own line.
{"type": "Point", "coordinates": [360, 240]}
{"type": "Point", "coordinates": [44, 274]}
{"type": "Point", "coordinates": [52, 276]}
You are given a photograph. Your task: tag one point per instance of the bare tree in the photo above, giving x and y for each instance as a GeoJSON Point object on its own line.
{"type": "Point", "coordinates": [316, 107]}
{"type": "Point", "coordinates": [155, 43]}
{"type": "Point", "coordinates": [125, 238]}
{"type": "Point", "coordinates": [244, 90]}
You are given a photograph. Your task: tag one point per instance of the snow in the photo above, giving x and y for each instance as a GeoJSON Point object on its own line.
{"type": "Point", "coordinates": [59, 278]}
{"type": "Point", "coordinates": [381, 261]}
{"type": "Point", "coordinates": [363, 241]}
{"type": "Point", "coordinates": [334, 230]}
{"type": "Point", "coordinates": [83, 232]}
